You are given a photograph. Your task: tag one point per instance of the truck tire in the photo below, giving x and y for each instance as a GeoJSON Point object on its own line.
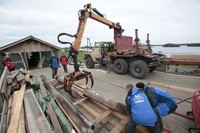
{"type": "Point", "coordinates": [120, 66]}
{"type": "Point", "coordinates": [89, 62]}
{"type": "Point", "coordinates": [139, 69]}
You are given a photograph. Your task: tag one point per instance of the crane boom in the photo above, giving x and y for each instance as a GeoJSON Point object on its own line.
{"type": "Point", "coordinates": [93, 13]}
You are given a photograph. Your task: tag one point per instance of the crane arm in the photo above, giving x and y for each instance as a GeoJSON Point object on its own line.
{"type": "Point", "coordinates": [93, 13]}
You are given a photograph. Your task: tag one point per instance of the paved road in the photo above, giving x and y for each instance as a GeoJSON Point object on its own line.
{"type": "Point", "coordinates": [112, 84]}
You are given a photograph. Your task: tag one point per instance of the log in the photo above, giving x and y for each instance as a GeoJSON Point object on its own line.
{"type": "Point", "coordinates": [9, 81]}
{"type": "Point", "coordinates": [119, 107]}
{"type": "Point", "coordinates": [80, 123]}
{"type": "Point", "coordinates": [27, 78]}
{"type": "Point", "coordinates": [171, 87]}
{"type": "Point", "coordinates": [13, 75]}
{"type": "Point", "coordinates": [52, 114]}
{"type": "Point", "coordinates": [20, 77]}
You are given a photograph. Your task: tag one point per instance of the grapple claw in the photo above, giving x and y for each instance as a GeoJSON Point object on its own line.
{"type": "Point", "coordinates": [75, 76]}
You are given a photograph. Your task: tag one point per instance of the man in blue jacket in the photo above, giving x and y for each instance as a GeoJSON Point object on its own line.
{"type": "Point", "coordinates": [141, 110]}
{"type": "Point", "coordinates": [54, 64]}
{"type": "Point", "coordinates": [162, 103]}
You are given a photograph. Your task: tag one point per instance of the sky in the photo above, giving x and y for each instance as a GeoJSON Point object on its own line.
{"type": "Point", "coordinates": [167, 21]}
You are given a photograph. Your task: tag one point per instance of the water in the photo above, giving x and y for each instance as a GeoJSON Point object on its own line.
{"type": "Point", "coordinates": [168, 51]}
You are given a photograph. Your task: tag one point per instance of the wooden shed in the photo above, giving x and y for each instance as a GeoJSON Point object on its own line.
{"type": "Point", "coordinates": [29, 52]}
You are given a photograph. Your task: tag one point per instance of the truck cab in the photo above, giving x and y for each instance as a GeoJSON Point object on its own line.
{"type": "Point", "coordinates": [98, 55]}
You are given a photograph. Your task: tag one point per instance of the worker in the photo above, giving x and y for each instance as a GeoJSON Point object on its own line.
{"type": "Point", "coordinates": [109, 54]}
{"type": "Point", "coordinates": [8, 62]}
{"type": "Point", "coordinates": [64, 61]}
{"type": "Point", "coordinates": [141, 111]}
{"type": "Point", "coordinates": [161, 101]}
{"type": "Point", "coordinates": [54, 64]}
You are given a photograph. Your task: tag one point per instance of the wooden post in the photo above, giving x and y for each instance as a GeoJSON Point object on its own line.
{"type": "Point", "coordinates": [119, 107]}
{"type": "Point", "coordinates": [80, 123]}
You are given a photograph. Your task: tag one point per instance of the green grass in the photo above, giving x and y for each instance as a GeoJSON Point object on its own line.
{"type": "Point", "coordinates": [80, 55]}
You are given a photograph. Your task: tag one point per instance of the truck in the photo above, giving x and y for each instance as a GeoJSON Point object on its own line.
{"type": "Point", "coordinates": [125, 55]}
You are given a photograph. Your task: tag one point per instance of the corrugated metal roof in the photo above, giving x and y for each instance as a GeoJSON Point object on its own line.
{"type": "Point", "coordinates": [28, 38]}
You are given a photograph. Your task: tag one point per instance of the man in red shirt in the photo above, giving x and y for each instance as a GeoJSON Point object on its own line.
{"type": "Point", "coordinates": [64, 61]}
{"type": "Point", "coordinates": [7, 62]}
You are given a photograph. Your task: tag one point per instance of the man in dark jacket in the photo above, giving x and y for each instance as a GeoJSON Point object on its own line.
{"type": "Point", "coordinates": [141, 111]}
{"type": "Point", "coordinates": [54, 64]}
{"type": "Point", "coordinates": [162, 103]}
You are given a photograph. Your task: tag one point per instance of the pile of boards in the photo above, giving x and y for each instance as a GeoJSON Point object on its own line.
{"type": "Point", "coordinates": [21, 111]}
{"type": "Point", "coordinates": [86, 111]}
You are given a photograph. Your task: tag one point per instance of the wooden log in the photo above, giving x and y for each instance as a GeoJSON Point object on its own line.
{"type": "Point", "coordinates": [99, 97]}
{"type": "Point", "coordinates": [27, 78]}
{"type": "Point", "coordinates": [9, 81]}
{"type": "Point", "coordinates": [13, 75]}
{"type": "Point", "coordinates": [14, 122]}
{"type": "Point", "coordinates": [171, 87]}
{"type": "Point", "coordinates": [80, 123]}
{"type": "Point", "coordinates": [36, 120]}
{"type": "Point", "coordinates": [20, 77]}
{"type": "Point", "coordinates": [33, 80]}
{"type": "Point", "coordinates": [52, 114]}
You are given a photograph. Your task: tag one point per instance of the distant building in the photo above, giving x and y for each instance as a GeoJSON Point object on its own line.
{"type": "Point", "coordinates": [29, 52]}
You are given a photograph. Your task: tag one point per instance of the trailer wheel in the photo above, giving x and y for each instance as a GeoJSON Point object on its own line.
{"type": "Point", "coordinates": [89, 62]}
{"type": "Point", "coordinates": [139, 69]}
{"type": "Point", "coordinates": [120, 66]}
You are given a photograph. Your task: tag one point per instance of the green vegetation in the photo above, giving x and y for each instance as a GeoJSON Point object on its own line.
{"type": "Point", "coordinates": [80, 54]}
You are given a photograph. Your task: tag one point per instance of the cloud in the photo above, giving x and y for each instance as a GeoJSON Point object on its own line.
{"type": "Point", "coordinates": [166, 21]}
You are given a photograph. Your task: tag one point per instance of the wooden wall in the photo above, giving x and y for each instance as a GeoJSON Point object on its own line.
{"type": "Point", "coordinates": [29, 46]}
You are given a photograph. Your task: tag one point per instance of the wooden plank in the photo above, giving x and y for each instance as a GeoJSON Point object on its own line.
{"type": "Point", "coordinates": [12, 128]}
{"type": "Point", "coordinates": [79, 101]}
{"type": "Point", "coordinates": [59, 87]}
{"type": "Point", "coordinates": [89, 109]}
{"type": "Point", "coordinates": [10, 100]}
{"type": "Point", "coordinates": [101, 117]}
{"type": "Point", "coordinates": [31, 124]}
{"type": "Point", "coordinates": [21, 128]}
{"type": "Point", "coordinates": [52, 114]}
{"type": "Point", "coordinates": [120, 125]}
{"type": "Point", "coordinates": [36, 120]}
